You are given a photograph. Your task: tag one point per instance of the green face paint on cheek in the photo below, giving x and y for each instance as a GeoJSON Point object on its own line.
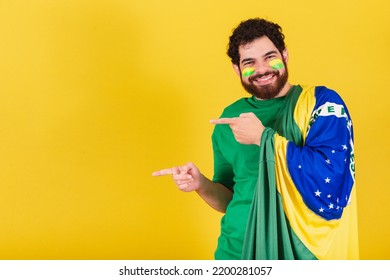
{"type": "Point", "coordinates": [276, 64]}
{"type": "Point", "coordinates": [248, 72]}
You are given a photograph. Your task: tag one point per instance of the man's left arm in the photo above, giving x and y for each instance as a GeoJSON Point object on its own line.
{"type": "Point", "coordinates": [323, 169]}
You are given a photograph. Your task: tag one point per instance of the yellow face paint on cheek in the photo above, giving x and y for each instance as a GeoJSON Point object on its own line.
{"type": "Point", "coordinates": [276, 64]}
{"type": "Point", "coordinates": [248, 72]}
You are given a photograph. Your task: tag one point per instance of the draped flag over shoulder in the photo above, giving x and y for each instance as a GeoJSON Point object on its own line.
{"type": "Point", "coordinates": [304, 206]}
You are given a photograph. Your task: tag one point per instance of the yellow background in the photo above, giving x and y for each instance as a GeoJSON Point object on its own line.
{"type": "Point", "coordinates": [95, 95]}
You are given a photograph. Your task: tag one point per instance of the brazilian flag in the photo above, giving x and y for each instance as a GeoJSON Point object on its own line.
{"type": "Point", "coordinates": [304, 206]}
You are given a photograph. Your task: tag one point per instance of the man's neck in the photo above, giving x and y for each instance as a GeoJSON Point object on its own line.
{"type": "Point", "coordinates": [284, 90]}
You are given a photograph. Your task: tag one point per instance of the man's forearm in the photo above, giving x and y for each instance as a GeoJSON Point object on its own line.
{"type": "Point", "coordinates": [214, 194]}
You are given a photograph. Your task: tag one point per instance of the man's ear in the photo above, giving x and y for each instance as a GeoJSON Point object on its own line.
{"type": "Point", "coordinates": [237, 69]}
{"type": "Point", "coordinates": [285, 55]}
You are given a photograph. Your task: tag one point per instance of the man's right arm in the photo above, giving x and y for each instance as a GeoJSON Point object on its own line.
{"type": "Point", "coordinates": [215, 194]}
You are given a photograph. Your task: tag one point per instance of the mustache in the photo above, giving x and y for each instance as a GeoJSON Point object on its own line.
{"type": "Point", "coordinates": [258, 76]}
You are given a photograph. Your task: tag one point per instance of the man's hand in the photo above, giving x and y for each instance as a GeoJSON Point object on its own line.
{"type": "Point", "coordinates": [247, 128]}
{"type": "Point", "coordinates": [186, 177]}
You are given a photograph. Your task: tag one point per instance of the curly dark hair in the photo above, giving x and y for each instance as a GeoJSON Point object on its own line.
{"type": "Point", "coordinates": [251, 29]}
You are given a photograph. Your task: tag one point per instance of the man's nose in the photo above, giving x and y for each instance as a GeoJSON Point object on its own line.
{"type": "Point", "coordinates": [262, 67]}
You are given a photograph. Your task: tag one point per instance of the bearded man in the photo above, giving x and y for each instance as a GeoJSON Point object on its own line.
{"type": "Point", "coordinates": [284, 169]}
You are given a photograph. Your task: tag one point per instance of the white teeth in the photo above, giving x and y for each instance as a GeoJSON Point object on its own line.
{"type": "Point", "coordinates": [265, 78]}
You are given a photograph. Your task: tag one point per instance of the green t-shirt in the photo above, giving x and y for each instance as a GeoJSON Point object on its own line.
{"type": "Point", "coordinates": [236, 166]}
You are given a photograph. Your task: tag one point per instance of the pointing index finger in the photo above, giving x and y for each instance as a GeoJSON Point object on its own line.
{"type": "Point", "coordinates": [223, 121]}
{"type": "Point", "coordinates": [163, 172]}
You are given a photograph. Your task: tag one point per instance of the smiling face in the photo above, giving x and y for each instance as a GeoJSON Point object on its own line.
{"type": "Point", "coordinates": [263, 69]}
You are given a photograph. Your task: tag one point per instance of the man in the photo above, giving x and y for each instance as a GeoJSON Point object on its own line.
{"type": "Point", "coordinates": [283, 161]}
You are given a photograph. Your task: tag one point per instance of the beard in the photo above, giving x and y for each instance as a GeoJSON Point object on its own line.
{"type": "Point", "coordinates": [266, 91]}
